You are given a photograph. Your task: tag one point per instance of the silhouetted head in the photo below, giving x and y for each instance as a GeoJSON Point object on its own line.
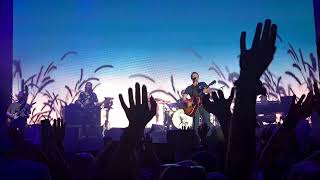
{"type": "Point", "coordinates": [88, 87]}
{"type": "Point", "coordinates": [21, 96]}
{"type": "Point", "coordinates": [305, 170]}
{"type": "Point", "coordinates": [206, 160]}
{"type": "Point", "coordinates": [83, 165]}
{"type": "Point", "coordinates": [195, 77]}
{"type": "Point", "coordinates": [183, 172]}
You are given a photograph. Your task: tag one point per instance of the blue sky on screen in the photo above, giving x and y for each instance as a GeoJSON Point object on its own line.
{"type": "Point", "coordinates": [158, 38]}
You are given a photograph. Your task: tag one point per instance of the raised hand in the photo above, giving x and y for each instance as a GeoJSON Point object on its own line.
{"type": "Point", "coordinates": [59, 131]}
{"type": "Point", "coordinates": [139, 113]}
{"type": "Point", "coordinates": [53, 135]}
{"type": "Point", "coordinates": [50, 146]}
{"type": "Point", "coordinates": [147, 142]}
{"type": "Point", "coordinates": [220, 107]}
{"type": "Point", "coordinates": [284, 140]}
{"type": "Point", "coordinates": [301, 109]}
{"type": "Point", "coordinates": [124, 162]}
{"type": "Point", "coordinates": [203, 132]}
{"type": "Point", "coordinates": [316, 100]}
{"type": "Point", "coordinates": [46, 133]}
{"type": "Point", "coordinates": [254, 61]}
{"type": "Point", "coordinates": [203, 129]}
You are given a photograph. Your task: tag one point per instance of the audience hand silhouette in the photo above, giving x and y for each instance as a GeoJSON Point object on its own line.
{"type": "Point", "coordinates": [54, 133]}
{"type": "Point", "coordinates": [316, 99]}
{"type": "Point", "coordinates": [220, 106]}
{"type": "Point", "coordinates": [254, 61]}
{"type": "Point", "coordinates": [59, 131]}
{"type": "Point", "coordinates": [301, 109]}
{"type": "Point", "coordinates": [203, 130]}
{"type": "Point", "coordinates": [139, 113]}
{"type": "Point", "coordinates": [46, 133]}
{"type": "Point", "coordinates": [147, 142]}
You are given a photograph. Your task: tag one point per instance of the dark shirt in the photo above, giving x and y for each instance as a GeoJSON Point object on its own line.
{"type": "Point", "coordinates": [88, 99]}
{"type": "Point", "coordinates": [195, 90]}
{"type": "Point", "coordinates": [16, 107]}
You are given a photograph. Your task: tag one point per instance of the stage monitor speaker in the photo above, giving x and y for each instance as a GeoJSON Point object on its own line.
{"type": "Point", "coordinates": [183, 137]}
{"type": "Point", "coordinates": [114, 133]}
{"type": "Point", "coordinates": [74, 135]}
{"type": "Point", "coordinates": [75, 115]}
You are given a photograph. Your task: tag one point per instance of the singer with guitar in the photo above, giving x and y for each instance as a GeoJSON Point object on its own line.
{"type": "Point", "coordinates": [193, 106]}
{"type": "Point", "coordinates": [18, 112]}
{"type": "Point", "coordinates": [90, 107]}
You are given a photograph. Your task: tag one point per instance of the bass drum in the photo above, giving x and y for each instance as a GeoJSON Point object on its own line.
{"type": "Point", "coordinates": [180, 119]}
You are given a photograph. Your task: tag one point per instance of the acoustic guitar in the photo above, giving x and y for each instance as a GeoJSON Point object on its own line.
{"type": "Point", "coordinates": [192, 105]}
{"type": "Point", "coordinates": [22, 112]}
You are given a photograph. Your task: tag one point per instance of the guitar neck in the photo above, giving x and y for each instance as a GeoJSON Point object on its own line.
{"type": "Point", "coordinates": [100, 103]}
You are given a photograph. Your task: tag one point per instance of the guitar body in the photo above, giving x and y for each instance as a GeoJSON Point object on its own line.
{"type": "Point", "coordinates": [20, 116]}
{"type": "Point", "coordinates": [192, 106]}
{"type": "Point", "coordinates": [19, 122]}
{"type": "Point", "coordinates": [190, 111]}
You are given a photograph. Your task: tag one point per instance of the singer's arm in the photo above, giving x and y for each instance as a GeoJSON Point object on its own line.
{"type": "Point", "coordinates": [204, 87]}
{"type": "Point", "coordinates": [185, 98]}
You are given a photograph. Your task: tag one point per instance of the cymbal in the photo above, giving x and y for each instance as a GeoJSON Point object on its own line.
{"type": "Point", "coordinates": [175, 105]}
{"type": "Point", "coordinates": [108, 97]}
{"type": "Point", "coordinates": [161, 101]}
{"type": "Point", "coordinates": [211, 89]}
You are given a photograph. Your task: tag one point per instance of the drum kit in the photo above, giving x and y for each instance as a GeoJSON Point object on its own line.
{"type": "Point", "coordinates": [173, 115]}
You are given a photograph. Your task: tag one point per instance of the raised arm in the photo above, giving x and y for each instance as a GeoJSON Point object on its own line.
{"type": "Point", "coordinates": [220, 107]}
{"type": "Point", "coordinates": [124, 163]}
{"type": "Point", "coordinates": [315, 118]}
{"type": "Point", "coordinates": [284, 140]}
{"type": "Point", "coordinates": [253, 62]}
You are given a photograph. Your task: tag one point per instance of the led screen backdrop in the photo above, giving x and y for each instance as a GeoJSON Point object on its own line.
{"type": "Point", "coordinates": [60, 44]}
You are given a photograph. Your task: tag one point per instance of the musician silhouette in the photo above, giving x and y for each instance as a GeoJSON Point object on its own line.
{"type": "Point", "coordinates": [18, 112]}
{"type": "Point", "coordinates": [87, 98]}
{"type": "Point", "coordinates": [90, 115]}
{"type": "Point", "coordinates": [197, 89]}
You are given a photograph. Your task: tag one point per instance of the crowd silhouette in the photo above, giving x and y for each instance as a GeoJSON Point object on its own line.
{"type": "Point", "coordinates": [239, 150]}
